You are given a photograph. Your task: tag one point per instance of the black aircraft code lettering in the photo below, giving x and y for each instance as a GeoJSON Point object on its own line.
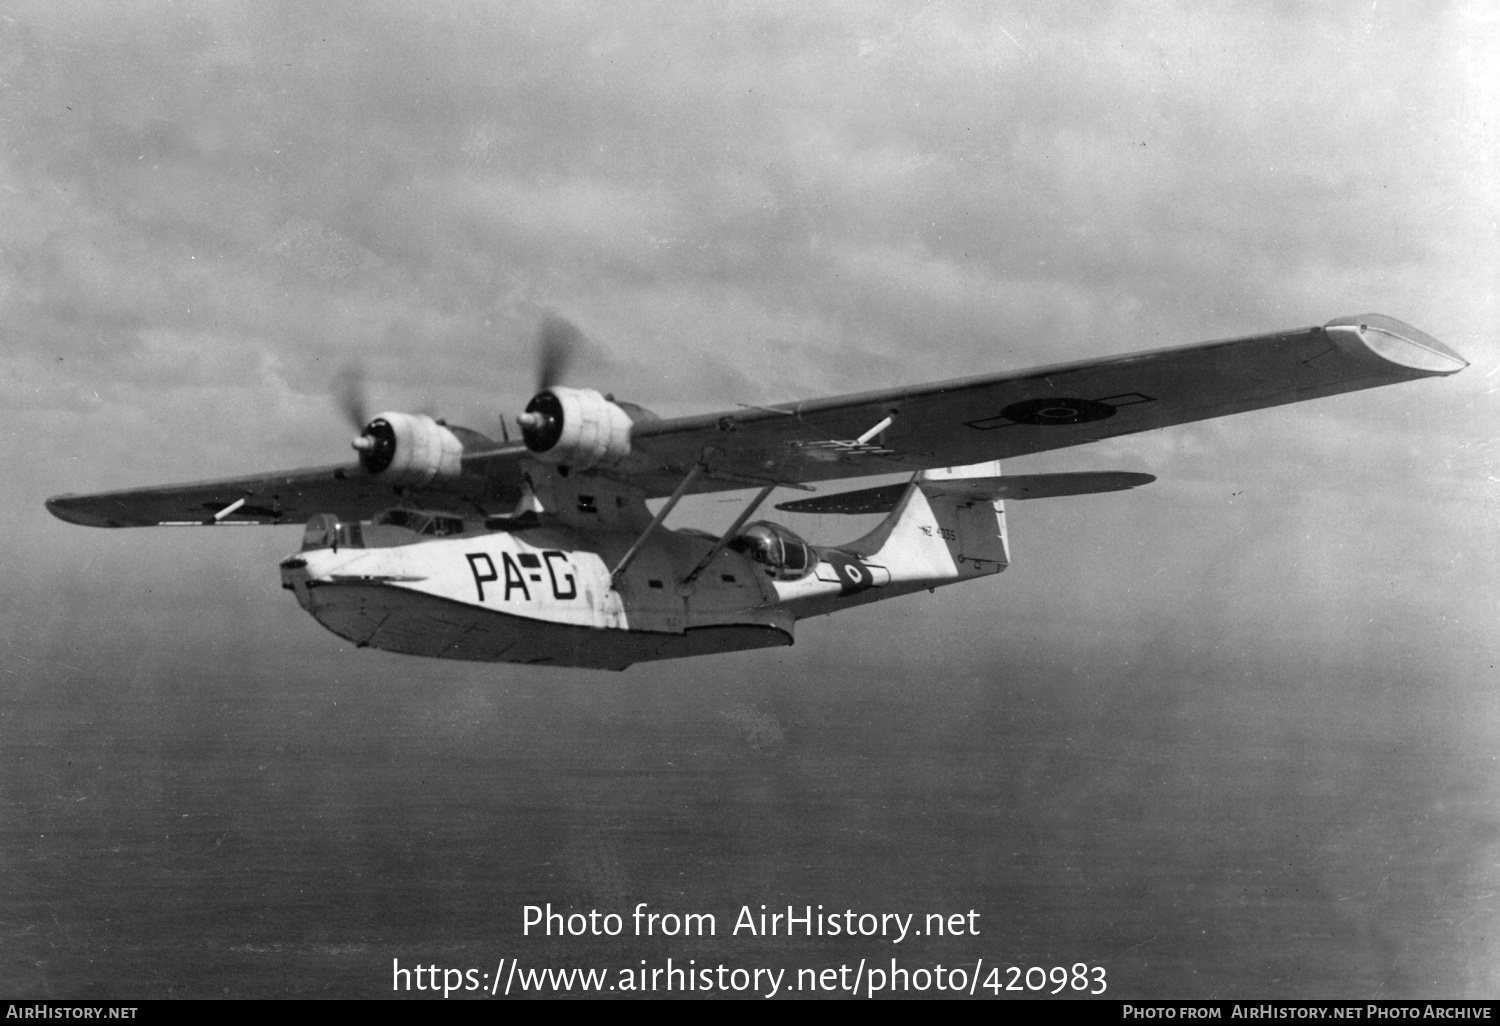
{"type": "Point", "coordinates": [480, 579]}
{"type": "Point", "coordinates": [514, 578]}
{"type": "Point", "coordinates": [557, 592]}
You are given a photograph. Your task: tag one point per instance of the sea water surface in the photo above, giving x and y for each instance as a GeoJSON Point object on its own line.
{"type": "Point", "coordinates": [252, 827]}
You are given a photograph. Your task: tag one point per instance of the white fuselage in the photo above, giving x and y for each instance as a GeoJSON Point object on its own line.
{"type": "Point", "coordinates": [544, 594]}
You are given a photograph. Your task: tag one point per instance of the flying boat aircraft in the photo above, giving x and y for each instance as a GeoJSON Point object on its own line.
{"type": "Point", "coordinates": [440, 541]}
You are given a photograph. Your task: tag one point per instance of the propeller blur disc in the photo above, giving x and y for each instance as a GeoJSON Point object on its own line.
{"type": "Point", "coordinates": [349, 393]}
{"type": "Point", "coordinates": [557, 343]}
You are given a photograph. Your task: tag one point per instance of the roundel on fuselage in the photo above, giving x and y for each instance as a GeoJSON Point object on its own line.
{"type": "Point", "coordinates": [853, 575]}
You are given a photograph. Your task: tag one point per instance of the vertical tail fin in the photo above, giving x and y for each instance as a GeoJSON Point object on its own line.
{"type": "Point", "coordinates": [939, 534]}
{"type": "Point", "coordinates": [980, 537]}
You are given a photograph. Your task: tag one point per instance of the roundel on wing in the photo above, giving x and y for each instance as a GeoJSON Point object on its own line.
{"type": "Point", "coordinates": [1055, 412]}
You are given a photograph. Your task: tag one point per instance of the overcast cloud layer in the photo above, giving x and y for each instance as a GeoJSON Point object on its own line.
{"type": "Point", "coordinates": [209, 210]}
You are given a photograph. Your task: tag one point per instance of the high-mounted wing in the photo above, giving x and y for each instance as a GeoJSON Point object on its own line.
{"type": "Point", "coordinates": [348, 491]}
{"type": "Point", "coordinates": [1001, 416]}
{"type": "Point", "coordinates": [415, 460]}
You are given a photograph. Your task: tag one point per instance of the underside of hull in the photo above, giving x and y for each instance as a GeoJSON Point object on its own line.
{"type": "Point", "coordinates": [401, 620]}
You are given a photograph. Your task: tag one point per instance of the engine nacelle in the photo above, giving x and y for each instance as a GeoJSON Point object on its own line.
{"type": "Point", "coordinates": [409, 449]}
{"type": "Point", "coordinates": [577, 427]}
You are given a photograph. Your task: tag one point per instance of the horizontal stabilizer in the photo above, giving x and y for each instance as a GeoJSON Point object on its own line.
{"type": "Point", "coordinates": [1019, 486]}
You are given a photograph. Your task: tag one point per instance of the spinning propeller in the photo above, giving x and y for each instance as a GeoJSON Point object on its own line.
{"type": "Point", "coordinates": [349, 394]}
{"type": "Point", "coordinates": [557, 343]}
{"type": "Point", "coordinates": [541, 424]}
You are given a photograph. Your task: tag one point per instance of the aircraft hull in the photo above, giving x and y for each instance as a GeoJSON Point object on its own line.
{"type": "Point", "coordinates": [542, 597]}
{"type": "Point", "coordinates": [397, 619]}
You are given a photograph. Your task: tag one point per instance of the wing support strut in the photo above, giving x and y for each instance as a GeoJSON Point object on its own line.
{"type": "Point", "coordinates": [661, 514]}
{"type": "Point", "coordinates": [862, 439]}
{"type": "Point", "coordinates": [725, 538]}
{"type": "Point", "coordinates": [219, 516]}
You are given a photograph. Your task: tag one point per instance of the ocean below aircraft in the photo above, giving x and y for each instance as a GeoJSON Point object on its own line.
{"type": "Point", "coordinates": [440, 541]}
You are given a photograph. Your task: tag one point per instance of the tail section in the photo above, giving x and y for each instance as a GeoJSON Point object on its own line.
{"type": "Point", "coordinates": [942, 526]}
{"type": "Point", "coordinates": [940, 531]}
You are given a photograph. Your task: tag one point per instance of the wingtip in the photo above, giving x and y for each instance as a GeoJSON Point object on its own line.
{"type": "Point", "coordinates": [1399, 343]}
{"type": "Point", "coordinates": [60, 507]}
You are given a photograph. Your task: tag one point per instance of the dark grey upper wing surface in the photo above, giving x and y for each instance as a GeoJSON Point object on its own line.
{"type": "Point", "coordinates": [1000, 416]}
{"type": "Point", "coordinates": [292, 496]}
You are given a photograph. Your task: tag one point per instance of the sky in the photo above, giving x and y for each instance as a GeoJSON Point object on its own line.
{"type": "Point", "coordinates": [211, 210]}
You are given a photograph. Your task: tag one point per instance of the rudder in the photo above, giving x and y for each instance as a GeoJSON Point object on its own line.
{"type": "Point", "coordinates": [974, 528]}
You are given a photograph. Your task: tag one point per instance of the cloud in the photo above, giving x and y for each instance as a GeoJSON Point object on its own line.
{"type": "Point", "coordinates": [218, 207]}
{"type": "Point", "coordinates": [736, 206]}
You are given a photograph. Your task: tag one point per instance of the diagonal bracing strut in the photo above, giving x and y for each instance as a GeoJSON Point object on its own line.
{"type": "Point", "coordinates": [725, 538]}
{"type": "Point", "coordinates": [219, 516]}
{"type": "Point", "coordinates": [661, 514]}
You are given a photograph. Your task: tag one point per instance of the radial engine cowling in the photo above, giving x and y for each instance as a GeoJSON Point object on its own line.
{"type": "Point", "coordinates": [577, 427]}
{"type": "Point", "coordinates": [409, 449]}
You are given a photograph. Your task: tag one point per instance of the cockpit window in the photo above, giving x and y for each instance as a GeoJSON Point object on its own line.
{"type": "Point", "coordinates": [432, 524]}
{"type": "Point", "coordinates": [779, 550]}
{"type": "Point", "coordinates": [402, 518]}
{"type": "Point", "coordinates": [444, 526]}
{"type": "Point", "coordinates": [324, 531]}
{"type": "Point", "coordinates": [321, 532]}
{"type": "Point", "coordinates": [519, 522]}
